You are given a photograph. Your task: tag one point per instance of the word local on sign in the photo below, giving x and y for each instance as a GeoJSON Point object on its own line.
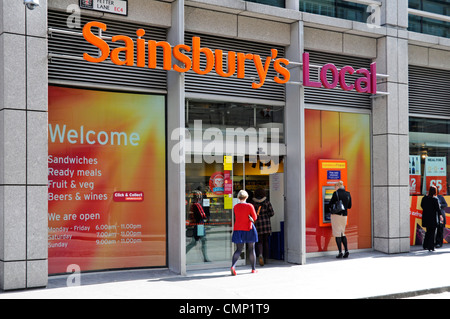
{"type": "Point", "coordinates": [365, 84]}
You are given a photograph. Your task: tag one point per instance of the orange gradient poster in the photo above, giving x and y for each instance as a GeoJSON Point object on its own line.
{"type": "Point", "coordinates": [338, 136]}
{"type": "Point", "coordinates": [106, 180]}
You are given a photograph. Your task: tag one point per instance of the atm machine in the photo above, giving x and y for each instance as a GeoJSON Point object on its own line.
{"type": "Point", "coordinates": [330, 172]}
{"type": "Point", "coordinates": [327, 193]}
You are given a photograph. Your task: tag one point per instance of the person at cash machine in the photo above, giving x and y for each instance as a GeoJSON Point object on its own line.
{"type": "Point", "coordinates": [339, 216]}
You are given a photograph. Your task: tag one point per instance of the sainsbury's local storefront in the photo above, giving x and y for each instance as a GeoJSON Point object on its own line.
{"type": "Point", "coordinates": [139, 111]}
{"type": "Point", "coordinates": [105, 146]}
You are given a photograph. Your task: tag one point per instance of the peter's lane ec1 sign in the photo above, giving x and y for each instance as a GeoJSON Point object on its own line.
{"type": "Point", "coordinates": [133, 53]}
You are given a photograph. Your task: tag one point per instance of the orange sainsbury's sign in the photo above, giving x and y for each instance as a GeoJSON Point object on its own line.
{"type": "Point", "coordinates": [213, 59]}
{"type": "Point", "coordinates": [135, 55]}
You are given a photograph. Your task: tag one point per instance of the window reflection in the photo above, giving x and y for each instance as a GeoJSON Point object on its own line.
{"type": "Point", "coordinates": [235, 115]}
{"type": "Point", "coordinates": [429, 154]}
{"type": "Point", "coordinates": [336, 8]}
{"type": "Point", "coordinates": [429, 143]}
{"type": "Point", "coordinates": [276, 3]}
{"type": "Point", "coordinates": [427, 25]}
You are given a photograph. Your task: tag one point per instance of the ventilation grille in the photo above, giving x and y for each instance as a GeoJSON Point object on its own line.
{"type": "Point", "coordinates": [336, 96]}
{"type": "Point", "coordinates": [429, 91]}
{"type": "Point", "coordinates": [67, 66]}
{"type": "Point", "coordinates": [232, 86]}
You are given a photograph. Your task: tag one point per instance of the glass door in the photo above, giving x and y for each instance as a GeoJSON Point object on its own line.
{"type": "Point", "coordinates": [214, 129]}
{"type": "Point", "coordinates": [212, 189]}
{"type": "Point", "coordinates": [208, 237]}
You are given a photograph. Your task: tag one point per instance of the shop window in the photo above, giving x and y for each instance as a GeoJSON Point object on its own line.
{"type": "Point", "coordinates": [429, 155]}
{"type": "Point", "coordinates": [106, 180]}
{"type": "Point", "coordinates": [235, 115]}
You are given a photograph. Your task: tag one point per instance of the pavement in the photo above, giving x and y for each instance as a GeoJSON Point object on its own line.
{"type": "Point", "coordinates": [365, 274]}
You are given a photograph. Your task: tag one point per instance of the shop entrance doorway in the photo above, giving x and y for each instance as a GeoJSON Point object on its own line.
{"type": "Point", "coordinates": [214, 187]}
{"type": "Point", "coordinates": [229, 146]}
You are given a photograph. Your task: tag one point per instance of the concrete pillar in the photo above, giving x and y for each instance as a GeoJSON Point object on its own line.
{"type": "Point", "coordinates": [390, 137]}
{"type": "Point", "coordinates": [23, 142]}
{"type": "Point", "coordinates": [295, 232]}
{"type": "Point", "coordinates": [176, 161]}
{"type": "Point", "coordinates": [293, 4]}
{"type": "Point", "coordinates": [394, 14]}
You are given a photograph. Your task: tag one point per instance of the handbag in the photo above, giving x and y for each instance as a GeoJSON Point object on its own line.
{"type": "Point", "coordinates": [197, 230]}
{"type": "Point", "coordinates": [259, 209]}
{"type": "Point", "coordinates": [257, 214]}
{"type": "Point", "coordinates": [338, 207]}
{"type": "Point", "coordinates": [200, 230]}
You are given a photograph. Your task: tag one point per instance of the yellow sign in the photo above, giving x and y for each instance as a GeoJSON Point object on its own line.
{"type": "Point", "coordinates": [228, 201]}
{"type": "Point", "coordinates": [336, 165]}
{"type": "Point", "coordinates": [227, 163]}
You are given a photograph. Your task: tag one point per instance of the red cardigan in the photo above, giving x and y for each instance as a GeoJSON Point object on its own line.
{"type": "Point", "coordinates": [241, 213]}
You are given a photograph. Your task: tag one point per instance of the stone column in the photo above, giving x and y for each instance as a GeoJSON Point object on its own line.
{"type": "Point", "coordinates": [390, 135]}
{"type": "Point", "coordinates": [24, 149]}
{"type": "Point", "coordinates": [295, 234]}
{"type": "Point", "coordinates": [176, 160]}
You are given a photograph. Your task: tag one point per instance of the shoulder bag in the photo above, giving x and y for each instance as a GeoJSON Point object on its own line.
{"type": "Point", "coordinates": [338, 207]}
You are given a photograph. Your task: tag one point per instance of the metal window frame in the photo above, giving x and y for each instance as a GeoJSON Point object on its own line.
{"type": "Point", "coordinates": [430, 15]}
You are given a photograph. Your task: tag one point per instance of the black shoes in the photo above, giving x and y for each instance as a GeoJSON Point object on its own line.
{"type": "Point", "coordinates": [345, 255]}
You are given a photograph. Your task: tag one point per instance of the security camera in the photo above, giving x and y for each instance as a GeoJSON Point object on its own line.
{"type": "Point", "coordinates": [31, 4]}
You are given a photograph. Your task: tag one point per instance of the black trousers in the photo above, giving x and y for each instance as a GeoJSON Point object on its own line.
{"type": "Point", "coordinates": [440, 235]}
{"type": "Point", "coordinates": [428, 241]}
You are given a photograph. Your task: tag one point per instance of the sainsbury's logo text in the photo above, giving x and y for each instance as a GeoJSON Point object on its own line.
{"type": "Point", "coordinates": [214, 59]}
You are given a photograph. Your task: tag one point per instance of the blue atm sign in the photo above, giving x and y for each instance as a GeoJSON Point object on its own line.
{"type": "Point", "coordinates": [334, 175]}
